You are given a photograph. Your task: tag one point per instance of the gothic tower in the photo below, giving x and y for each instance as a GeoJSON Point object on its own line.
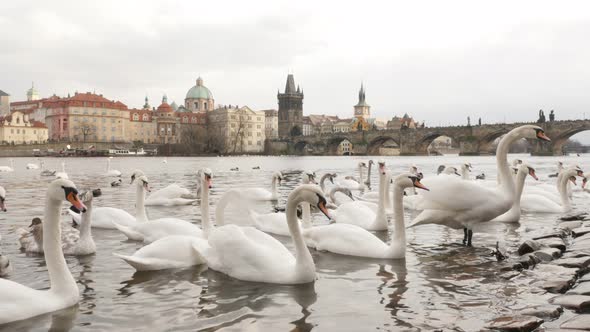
{"type": "Point", "coordinates": [362, 109]}
{"type": "Point", "coordinates": [290, 110]}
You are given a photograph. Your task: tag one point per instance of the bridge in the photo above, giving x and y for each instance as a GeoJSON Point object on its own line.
{"type": "Point", "coordinates": [471, 140]}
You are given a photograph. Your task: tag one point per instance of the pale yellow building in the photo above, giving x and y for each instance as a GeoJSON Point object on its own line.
{"type": "Point", "coordinates": [237, 129]}
{"type": "Point", "coordinates": [18, 129]}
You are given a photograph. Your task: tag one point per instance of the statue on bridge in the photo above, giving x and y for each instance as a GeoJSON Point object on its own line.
{"type": "Point", "coordinates": [551, 116]}
{"type": "Point", "coordinates": [541, 117]}
{"type": "Point", "coordinates": [469, 121]}
{"type": "Point", "coordinates": [479, 122]}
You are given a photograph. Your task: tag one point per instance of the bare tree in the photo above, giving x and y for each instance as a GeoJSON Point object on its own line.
{"type": "Point", "coordinates": [86, 129]}
{"type": "Point", "coordinates": [240, 132]}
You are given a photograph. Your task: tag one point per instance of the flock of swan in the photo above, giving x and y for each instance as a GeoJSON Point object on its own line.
{"type": "Point", "coordinates": [248, 250]}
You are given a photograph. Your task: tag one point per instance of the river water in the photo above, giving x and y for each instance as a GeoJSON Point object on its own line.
{"type": "Point", "coordinates": [440, 284]}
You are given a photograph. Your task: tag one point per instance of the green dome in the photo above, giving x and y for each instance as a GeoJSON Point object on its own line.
{"type": "Point", "coordinates": [199, 91]}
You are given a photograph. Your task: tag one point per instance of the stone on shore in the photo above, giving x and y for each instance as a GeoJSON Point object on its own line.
{"type": "Point", "coordinates": [580, 303]}
{"type": "Point", "coordinates": [553, 243]}
{"type": "Point", "coordinates": [570, 225]}
{"type": "Point", "coordinates": [577, 232]}
{"type": "Point", "coordinates": [577, 263]}
{"type": "Point", "coordinates": [547, 254]}
{"type": "Point", "coordinates": [580, 322]}
{"type": "Point", "coordinates": [559, 234]}
{"type": "Point", "coordinates": [546, 312]}
{"type": "Point", "coordinates": [581, 289]}
{"type": "Point", "coordinates": [557, 286]}
{"type": "Point", "coordinates": [528, 246]}
{"type": "Point", "coordinates": [515, 323]}
{"type": "Point", "coordinates": [585, 278]}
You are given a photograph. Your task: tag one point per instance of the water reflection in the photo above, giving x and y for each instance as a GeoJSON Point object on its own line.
{"type": "Point", "coordinates": [62, 320]}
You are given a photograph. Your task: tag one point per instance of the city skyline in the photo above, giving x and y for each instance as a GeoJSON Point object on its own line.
{"type": "Point", "coordinates": [503, 62]}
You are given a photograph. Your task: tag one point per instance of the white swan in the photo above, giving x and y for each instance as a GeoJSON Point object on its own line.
{"type": "Point", "coordinates": [352, 240]}
{"type": "Point", "coordinates": [169, 252]}
{"type": "Point", "coordinates": [31, 239]}
{"type": "Point", "coordinates": [248, 254]}
{"type": "Point", "coordinates": [352, 183]}
{"type": "Point", "coordinates": [464, 204]}
{"type": "Point", "coordinates": [367, 182]}
{"type": "Point", "coordinates": [564, 178]}
{"type": "Point", "coordinates": [19, 302]}
{"type": "Point", "coordinates": [152, 230]}
{"type": "Point", "coordinates": [46, 172]}
{"type": "Point", "coordinates": [261, 194]}
{"type": "Point", "coordinates": [62, 174]}
{"type": "Point", "coordinates": [171, 195]}
{"type": "Point", "coordinates": [327, 176]}
{"type": "Point", "coordinates": [513, 215]}
{"type": "Point", "coordinates": [2, 199]}
{"type": "Point", "coordinates": [8, 168]}
{"type": "Point", "coordinates": [111, 172]}
{"type": "Point", "coordinates": [358, 213]}
{"type": "Point", "coordinates": [465, 170]}
{"type": "Point", "coordinates": [32, 166]}
{"type": "Point", "coordinates": [5, 267]}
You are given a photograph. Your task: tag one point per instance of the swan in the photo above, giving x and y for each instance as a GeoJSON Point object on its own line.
{"type": "Point", "coordinates": [541, 203]}
{"type": "Point", "coordinates": [559, 169]}
{"type": "Point", "coordinates": [513, 215]}
{"type": "Point", "coordinates": [246, 253]}
{"type": "Point", "coordinates": [358, 213]}
{"type": "Point", "coordinates": [327, 176]}
{"type": "Point", "coordinates": [117, 183]}
{"type": "Point", "coordinates": [565, 175]}
{"type": "Point", "coordinates": [62, 174]}
{"type": "Point", "coordinates": [2, 199]}
{"type": "Point", "coordinates": [152, 230]}
{"type": "Point", "coordinates": [308, 177]}
{"type": "Point", "coordinates": [111, 172]}
{"type": "Point", "coordinates": [46, 172]}
{"type": "Point", "coordinates": [261, 194]}
{"type": "Point", "coordinates": [31, 239]}
{"type": "Point", "coordinates": [352, 183]}
{"type": "Point", "coordinates": [165, 161]}
{"type": "Point", "coordinates": [353, 240]}
{"type": "Point", "coordinates": [171, 195]}
{"type": "Point", "coordinates": [169, 252]}
{"type": "Point", "coordinates": [19, 302]}
{"type": "Point", "coordinates": [5, 267]}
{"type": "Point", "coordinates": [465, 170]}
{"type": "Point", "coordinates": [464, 204]}
{"type": "Point", "coordinates": [8, 168]}
{"type": "Point", "coordinates": [32, 166]}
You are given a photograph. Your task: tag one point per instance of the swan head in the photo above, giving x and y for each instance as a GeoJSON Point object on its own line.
{"type": "Point", "coordinates": [362, 164]}
{"type": "Point", "coordinates": [440, 169]}
{"type": "Point", "coordinates": [451, 170]}
{"type": "Point", "coordinates": [135, 174]}
{"type": "Point", "coordinates": [467, 167]}
{"type": "Point", "coordinates": [88, 195]}
{"type": "Point", "coordinates": [143, 182]}
{"type": "Point", "coordinates": [35, 222]}
{"type": "Point", "coordinates": [532, 132]}
{"type": "Point", "coordinates": [2, 199]}
{"type": "Point", "coordinates": [408, 180]}
{"type": "Point", "coordinates": [206, 176]}
{"type": "Point", "coordinates": [371, 162]}
{"type": "Point", "coordinates": [414, 169]}
{"type": "Point", "coordinates": [311, 194]}
{"type": "Point", "coordinates": [584, 180]}
{"type": "Point", "coordinates": [278, 176]}
{"type": "Point", "coordinates": [524, 168]}
{"type": "Point", "coordinates": [382, 168]}
{"type": "Point", "coordinates": [309, 177]}
{"type": "Point", "coordinates": [331, 177]}
{"type": "Point", "coordinates": [64, 189]}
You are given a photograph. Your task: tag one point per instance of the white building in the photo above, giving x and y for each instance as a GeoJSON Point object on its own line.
{"type": "Point", "coordinates": [18, 129]}
{"type": "Point", "coordinates": [237, 130]}
{"type": "Point", "coordinates": [271, 124]}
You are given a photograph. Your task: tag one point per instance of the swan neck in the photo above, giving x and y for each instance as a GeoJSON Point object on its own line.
{"type": "Point", "coordinates": [306, 218]}
{"type": "Point", "coordinates": [369, 173]}
{"type": "Point", "coordinates": [382, 196]}
{"type": "Point", "coordinates": [220, 207]}
{"type": "Point", "coordinates": [85, 232]}
{"type": "Point", "coordinates": [304, 261]}
{"type": "Point", "coordinates": [464, 174]}
{"type": "Point", "coordinates": [140, 213]}
{"type": "Point", "coordinates": [562, 188]}
{"type": "Point", "coordinates": [504, 177]}
{"type": "Point", "coordinates": [60, 278]}
{"type": "Point", "coordinates": [273, 186]}
{"type": "Point", "coordinates": [360, 175]}
{"type": "Point", "coordinates": [399, 230]}
{"type": "Point", "coordinates": [205, 219]}
{"type": "Point", "coordinates": [322, 182]}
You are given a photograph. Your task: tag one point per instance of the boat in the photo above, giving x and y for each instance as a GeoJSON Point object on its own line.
{"type": "Point", "coordinates": [124, 152]}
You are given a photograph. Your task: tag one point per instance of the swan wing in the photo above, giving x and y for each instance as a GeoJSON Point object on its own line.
{"type": "Point", "coordinates": [171, 191]}
{"type": "Point", "coordinates": [131, 233]}
{"type": "Point", "coordinates": [345, 239]}
{"type": "Point", "coordinates": [273, 223]}
{"type": "Point", "coordinates": [355, 213]}
{"type": "Point", "coordinates": [450, 193]}
{"type": "Point", "coordinates": [259, 194]}
{"type": "Point", "coordinates": [539, 203]}
{"type": "Point", "coordinates": [159, 228]}
{"type": "Point", "coordinates": [438, 217]}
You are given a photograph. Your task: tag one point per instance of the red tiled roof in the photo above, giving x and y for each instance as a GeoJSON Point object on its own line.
{"type": "Point", "coordinates": [164, 107]}
{"type": "Point", "coordinates": [84, 100]}
{"type": "Point", "coordinates": [38, 124]}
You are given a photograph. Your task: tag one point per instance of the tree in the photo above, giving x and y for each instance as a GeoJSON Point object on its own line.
{"type": "Point", "coordinates": [86, 129]}
{"type": "Point", "coordinates": [193, 137]}
{"type": "Point", "coordinates": [240, 131]}
{"type": "Point", "coordinates": [296, 131]}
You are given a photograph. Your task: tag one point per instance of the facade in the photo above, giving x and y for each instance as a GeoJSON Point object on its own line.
{"type": "Point", "coordinates": [17, 128]}
{"type": "Point", "coordinates": [237, 130]}
{"type": "Point", "coordinates": [290, 110]}
{"type": "Point", "coordinates": [199, 98]}
{"type": "Point", "coordinates": [271, 124]}
{"type": "Point", "coordinates": [4, 103]}
{"type": "Point", "coordinates": [344, 148]}
{"type": "Point", "coordinates": [342, 126]}
{"type": "Point", "coordinates": [405, 121]}
{"type": "Point", "coordinates": [307, 126]}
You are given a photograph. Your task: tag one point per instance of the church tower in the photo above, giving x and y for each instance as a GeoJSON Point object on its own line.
{"type": "Point", "coordinates": [362, 109]}
{"type": "Point", "coordinates": [290, 110]}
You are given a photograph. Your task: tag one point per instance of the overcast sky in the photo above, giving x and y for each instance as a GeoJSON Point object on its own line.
{"type": "Point", "coordinates": [439, 61]}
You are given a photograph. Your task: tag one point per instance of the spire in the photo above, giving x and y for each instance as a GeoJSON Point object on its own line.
{"type": "Point", "coordinates": [164, 99]}
{"type": "Point", "coordinates": [362, 94]}
{"type": "Point", "coordinates": [147, 104]}
{"type": "Point", "coordinates": [290, 86]}
{"type": "Point", "coordinates": [298, 90]}
{"type": "Point", "coordinates": [199, 81]}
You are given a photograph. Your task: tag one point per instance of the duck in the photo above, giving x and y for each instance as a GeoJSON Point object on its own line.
{"type": "Point", "coordinates": [8, 168]}
{"type": "Point", "coordinates": [352, 240]}
{"type": "Point", "coordinates": [151, 230]}
{"type": "Point", "coordinates": [234, 169]}
{"type": "Point", "coordinates": [20, 302]}
{"type": "Point", "coordinates": [245, 253]}
{"type": "Point", "coordinates": [111, 172]}
{"type": "Point", "coordinates": [262, 194]}
{"type": "Point", "coordinates": [117, 183]}
{"type": "Point", "coordinates": [465, 204]}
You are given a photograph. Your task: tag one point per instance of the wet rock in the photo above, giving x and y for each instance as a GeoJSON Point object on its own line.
{"type": "Point", "coordinates": [554, 279]}
{"type": "Point", "coordinates": [569, 225]}
{"type": "Point", "coordinates": [581, 289]}
{"type": "Point", "coordinates": [580, 322]}
{"type": "Point", "coordinates": [580, 231]}
{"type": "Point", "coordinates": [571, 217]}
{"type": "Point", "coordinates": [585, 237]}
{"type": "Point", "coordinates": [585, 278]}
{"type": "Point", "coordinates": [547, 254]}
{"type": "Point", "coordinates": [509, 275]}
{"type": "Point", "coordinates": [557, 286]}
{"type": "Point", "coordinates": [580, 262]}
{"type": "Point", "coordinates": [528, 246]}
{"type": "Point", "coordinates": [528, 261]}
{"type": "Point", "coordinates": [576, 254]}
{"type": "Point", "coordinates": [580, 246]}
{"type": "Point", "coordinates": [546, 312]}
{"type": "Point", "coordinates": [559, 233]}
{"type": "Point", "coordinates": [553, 243]}
{"type": "Point", "coordinates": [515, 323]}
{"type": "Point", "coordinates": [580, 303]}
{"type": "Point", "coordinates": [563, 330]}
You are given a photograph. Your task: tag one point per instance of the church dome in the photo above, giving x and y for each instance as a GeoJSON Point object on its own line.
{"type": "Point", "coordinates": [199, 91]}
{"type": "Point", "coordinates": [164, 107]}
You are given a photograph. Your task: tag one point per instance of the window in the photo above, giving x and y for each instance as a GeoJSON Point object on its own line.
{"type": "Point", "coordinates": [249, 142]}
{"type": "Point", "coordinates": [145, 117]}
{"type": "Point", "coordinates": [205, 105]}
{"type": "Point", "coordinates": [258, 126]}
{"type": "Point", "coordinates": [18, 131]}
{"type": "Point", "coordinates": [233, 125]}
{"type": "Point", "coordinates": [196, 105]}
{"type": "Point", "coordinates": [258, 134]}
{"type": "Point", "coordinates": [135, 116]}
{"type": "Point", "coordinates": [112, 120]}
{"type": "Point", "coordinates": [249, 133]}
{"type": "Point", "coordinates": [259, 142]}
{"type": "Point", "coordinates": [104, 120]}
{"type": "Point", "coordinates": [104, 112]}
{"type": "Point", "coordinates": [34, 131]}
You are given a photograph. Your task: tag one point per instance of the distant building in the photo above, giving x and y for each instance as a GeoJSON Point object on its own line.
{"type": "Point", "coordinates": [237, 129]}
{"type": "Point", "coordinates": [290, 110]}
{"type": "Point", "coordinates": [406, 121]}
{"type": "Point", "coordinates": [17, 128]}
{"type": "Point", "coordinates": [4, 103]}
{"type": "Point", "coordinates": [271, 124]}
{"type": "Point", "coordinates": [362, 113]}
{"type": "Point", "coordinates": [199, 98]}
{"type": "Point", "coordinates": [32, 93]}
{"type": "Point", "coordinates": [307, 126]}
{"type": "Point", "coordinates": [342, 126]}
{"type": "Point", "coordinates": [344, 148]}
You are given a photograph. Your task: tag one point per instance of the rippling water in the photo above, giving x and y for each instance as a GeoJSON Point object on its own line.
{"type": "Point", "coordinates": [440, 285]}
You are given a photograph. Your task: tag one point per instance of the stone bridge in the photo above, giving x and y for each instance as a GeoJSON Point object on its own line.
{"type": "Point", "coordinates": [471, 140]}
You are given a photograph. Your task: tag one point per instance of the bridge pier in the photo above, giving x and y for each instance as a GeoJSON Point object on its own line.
{"type": "Point", "coordinates": [469, 146]}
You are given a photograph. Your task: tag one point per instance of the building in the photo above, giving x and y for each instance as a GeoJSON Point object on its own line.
{"type": "Point", "coordinates": [271, 125]}
{"type": "Point", "coordinates": [342, 126]}
{"type": "Point", "coordinates": [406, 121]}
{"type": "Point", "coordinates": [307, 126]}
{"type": "Point", "coordinates": [362, 113]}
{"type": "Point", "coordinates": [167, 124]}
{"type": "Point", "coordinates": [237, 130]}
{"type": "Point", "coordinates": [199, 98]}
{"type": "Point", "coordinates": [17, 128]}
{"type": "Point", "coordinates": [32, 93]}
{"type": "Point", "coordinates": [290, 110]}
{"type": "Point", "coordinates": [344, 148]}
{"type": "Point", "coordinates": [4, 103]}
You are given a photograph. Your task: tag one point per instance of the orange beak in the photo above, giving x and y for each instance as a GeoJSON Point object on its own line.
{"type": "Point", "coordinates": [417, 184]}
{"type": "Point", "coordinates": [322, 207]}
{"type": "Point", "coordinates": [147, 188]}
{"type": "Point", "coordinates": [532, 173]}
{"type": "Point", "coordinates": [541, 135]}
{"type": "Point", "coordinates": [573, 179]}
{"type": "Point", "coordinates": [75, 201]}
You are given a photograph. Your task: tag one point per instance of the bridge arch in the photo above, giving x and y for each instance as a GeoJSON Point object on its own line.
{"type": "Point", "coordinates": [303, 147]}
{"type": "Point", "coordinates": [424, 143]}
{"type": "Point", "coordinates": [486, 143]}
{"type": "Point", "coordinates": [378, 142]}
{"type": "Point", "coordinates": [558, 141]}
